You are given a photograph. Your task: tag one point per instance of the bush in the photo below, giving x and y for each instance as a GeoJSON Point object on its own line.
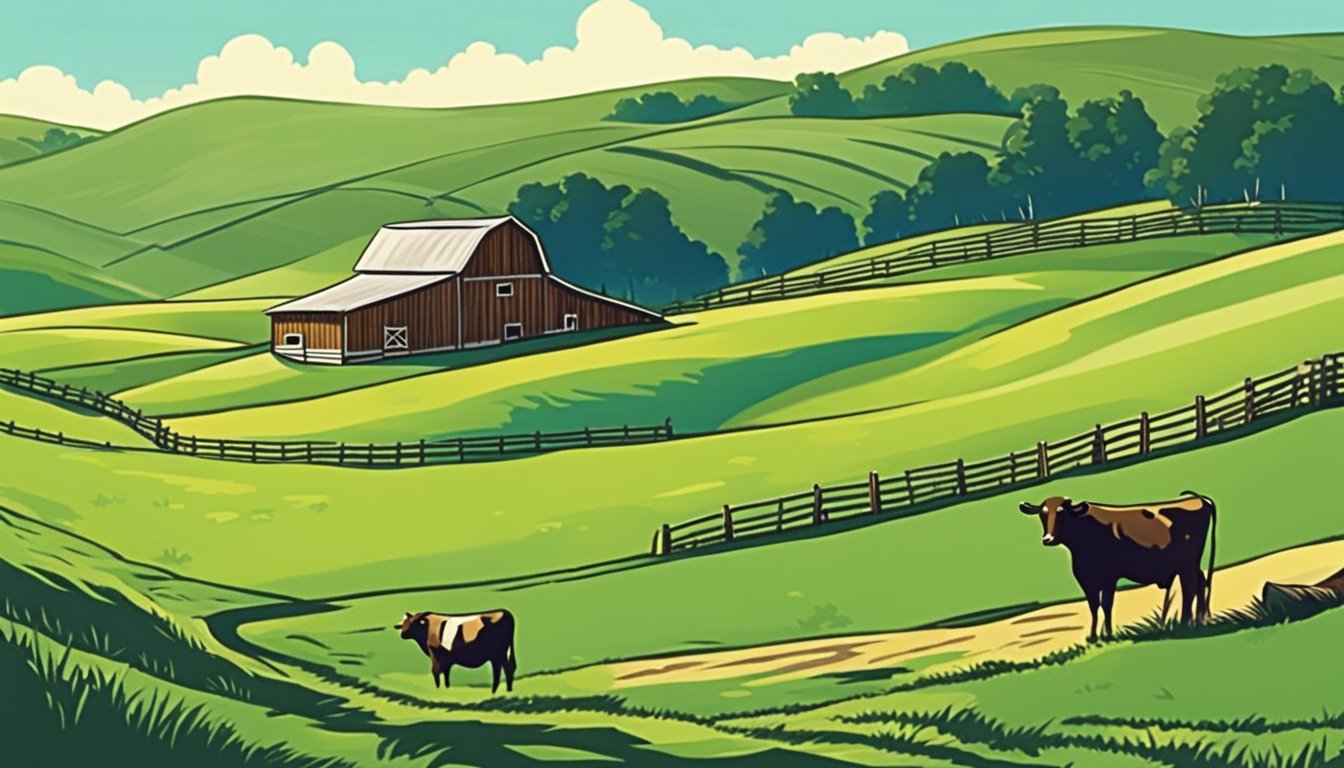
{"type": "Point", "coordinates": [666, 107]}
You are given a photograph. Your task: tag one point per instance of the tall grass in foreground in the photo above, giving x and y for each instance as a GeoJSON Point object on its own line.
{"type": "Point", "coordinates": [60, 713]}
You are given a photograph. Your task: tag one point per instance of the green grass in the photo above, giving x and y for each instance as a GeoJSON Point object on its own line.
{"type": "Point", "coordinates": [33, 413]}
{"type": "Point", "coordinates": [718, 368]}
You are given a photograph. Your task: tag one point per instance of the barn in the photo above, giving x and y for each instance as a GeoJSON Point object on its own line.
{"type": "Point", "coordinates": [432, 286]}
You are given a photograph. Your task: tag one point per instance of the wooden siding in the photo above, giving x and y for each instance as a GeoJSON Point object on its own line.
{"type": "Point", "coordinates": [593, 311]}
{"type": "Point", "coordinates": [507, 250]}
{"type": "Point", "coordinates": [484, 314]}
{"type": "Point", "coordinates": [429, 315]}
{"type": "Point", "coordinates": [321, 330]}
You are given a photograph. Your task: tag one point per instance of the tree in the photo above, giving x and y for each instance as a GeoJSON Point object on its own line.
{"type": "Point", "coordinates": [921, 89]}
{"type": "Point", "coordinates": [599, 236]}
{"type": "Point", "coordinates": [791, 233]}
{"type": "Point", "coordinates": [1258, 128]}
{"type": "Point", "coordinates": [1120, 142]}
{"type": "Point", "coordinates": [958, 189]}
{"type": "Point", "coordinates": [569, 217]}
{"type": "Point", "coordinates": [658, 260]}
{"type": "Point", "coordinates": [54, 139]}
{"type": "Point", "coordinates": [820, 94]}
{"type": "Point", "coordinates": [888, 218]}
{"type": "Point", "coordinates": [666, 107]}
{"type": "Point", "coordinates": [1041, 161]}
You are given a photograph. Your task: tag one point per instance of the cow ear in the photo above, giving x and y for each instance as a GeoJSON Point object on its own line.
{"type": "Point", "coordinates": [408, 614]}
{"type": "Point", "coordinates": [1029, 509]}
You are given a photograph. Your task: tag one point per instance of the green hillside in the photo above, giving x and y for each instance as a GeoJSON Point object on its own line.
{"type": "Point", "coordinates": [13, 129]}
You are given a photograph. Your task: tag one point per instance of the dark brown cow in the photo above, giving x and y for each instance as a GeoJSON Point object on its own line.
{"type": "Point", "coordinates": [466, 639]}
{"type": "Point", "coordinates": [1145, 543]}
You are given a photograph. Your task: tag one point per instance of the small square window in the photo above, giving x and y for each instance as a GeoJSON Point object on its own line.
{"type": "Point", "coordinates": [571, 322]}
{"type": "Point", "coordinates": [292, 340]}
{"type": "Point", "coordinates": [503, 290]}
{"type": "Point", "coordinates": [513, 331]}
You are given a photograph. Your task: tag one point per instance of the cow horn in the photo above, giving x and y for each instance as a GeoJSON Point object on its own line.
{"type": "Point", "coordinates": [1028, 508]}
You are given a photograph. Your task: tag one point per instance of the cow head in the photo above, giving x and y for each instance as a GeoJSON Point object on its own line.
{"type": "Point", "coordinates": [1054, 513]}
{"type": "Point", "coordinates": [414, 627]}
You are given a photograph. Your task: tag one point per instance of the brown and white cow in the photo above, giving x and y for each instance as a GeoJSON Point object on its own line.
{"type": "Point", "coordinates": [469, 639]}
{"type": "Point", "coordinates": [1153, 543]}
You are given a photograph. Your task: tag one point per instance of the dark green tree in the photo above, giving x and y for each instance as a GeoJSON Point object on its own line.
{"type": "Point", "coordinates": [820, 94]}
{"type": "Point", "coordinates": [959, 189]}
{"type": "Point", "coordinates": [1120, 143]}
{"type": "Point", "coordinates": [659, 261]}
{"type": "Point", "coordinates": [666, 107]}
{"type": "Point", "coordinates": [888, 218]}
{"type": "Point", "coordinates": [791, 233]}
{"type": "Point", "coordinates": [569, 217]}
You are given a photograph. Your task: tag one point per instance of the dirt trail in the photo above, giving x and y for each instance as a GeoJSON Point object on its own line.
{"type": "Point", "coordinates": [1019, 638]}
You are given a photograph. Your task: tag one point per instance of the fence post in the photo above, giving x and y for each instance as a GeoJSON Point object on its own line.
{"type": "Point", "coordinates": [665, 534]}
{"type": "Point", "coordinates": [193, 445]}
{"type": "Point", "coordinates": [874, 493]}
{"type": "Point", "coordinates": [422, 450]}
{"type": "Point", "coordinates": [536, 441]}
{"type": "Point", "coordinates": [625, 433]}
{"type": "Point", "coordinates": [1035, 234]}
{"type": "Point", "coordinates": [1098, 445]}
{"type": "Point", "coordinates": [588, 435]}
{"type": "Point", "coordinates": [340, 454]}
{"type": "Point", "coordinates": [727, 523]}
{"type": "Point", "coordinates": [1012, 467]}
{"type": "Point", "coordinates": [461, 449]}
{"type": "Point", "coordinates": [1278, 221]}
{"type": "Point", "coordinates": [398, 461]}
{"type": "Point", "coordinates": [369, 456]}
{"type": "Point", "coordinates": [254, 451]}
{"type": "Point", "coordinates": [961, 477]}
{"type": "Point", "coordinates": [779, 515]}
{"type": "Point", "coordinates": [1145, 436]}
{"type": "Point", "coordinates": [816, 504]}
{"type": "Point", "coordinates": [667, 428]}
{"type": "Point", "coordinates": [501, 445]}
{"type": "Point", "coordinates": [1201, 422]}
{"type": "Point", "coordinates": [1042, 460]}
{"type": "Point", "coordinates": [909, 489]}
{"type": "Point", "coordinates": [1248, 401]}
{"type": "Point", "coordinates": [309, 445]}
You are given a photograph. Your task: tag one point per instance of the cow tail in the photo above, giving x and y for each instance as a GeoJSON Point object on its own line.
{"type": "Point", "coordinates": [1213, 549]}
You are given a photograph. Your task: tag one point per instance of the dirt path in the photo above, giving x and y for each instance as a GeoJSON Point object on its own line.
{"type": "Point", "coordinates": [1020, 638]}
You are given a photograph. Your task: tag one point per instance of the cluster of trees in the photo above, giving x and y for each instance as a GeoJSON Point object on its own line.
{"type": "Point", "coordinates": [616, 240]}
{"type": "Point", "coordinates": [666, 107]}
{"type": "Point", "coordinates": [1271, 130]}
{"type": "Point", "coordinates": [916, 90]}
{"type": "Point", "coordinates": [54, 139]}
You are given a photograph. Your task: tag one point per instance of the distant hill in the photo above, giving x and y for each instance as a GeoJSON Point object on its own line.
{"type": "Point", "coordinates": [251, 197]}
{"type": "Point", "coordinates": [13, 129]}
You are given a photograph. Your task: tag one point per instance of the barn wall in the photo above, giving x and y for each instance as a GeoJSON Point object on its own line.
{"type": "Point", "coordinates": [429, 315]}
{"type": "Point", "coordinates": [484, 314]}
{"type": "Point", "coordinates": [593, 311]}
{"type": "Point", "coordinates": [507, 250]}
{"type": "Point", "coordinates": [321, 330]}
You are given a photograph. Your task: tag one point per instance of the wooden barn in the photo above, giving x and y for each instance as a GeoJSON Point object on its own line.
{"type": "Point", "coordinates": [431, 286]}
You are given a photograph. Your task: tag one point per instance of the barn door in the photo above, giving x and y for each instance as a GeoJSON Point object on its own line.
{"type": "Point", "coordinates": [394, 338]}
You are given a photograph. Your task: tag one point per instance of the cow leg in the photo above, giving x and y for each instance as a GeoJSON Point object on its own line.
{"type": "Point", "coordinates": [510, 665]}
{"type": "Point", "coordinates": [1093, 601]}
{"type": "Point", "coordinates": [1188, 589]}
{"type": "Point", "coordinates": [1166, 604]}
{"type": "Point", "coordinates": [1108, 600]}
{"type": "Point", "coordinates": [446, 669]}
{"type": "Point", "coordinates": [494, 671]}
{"type": "Point", "coordinates": [1201, 601]}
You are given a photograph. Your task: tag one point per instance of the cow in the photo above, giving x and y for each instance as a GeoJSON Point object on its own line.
{"type": "Point", "coordinates": [1145, 543]}
{"type": "Point", "coordinates": [466, 639]}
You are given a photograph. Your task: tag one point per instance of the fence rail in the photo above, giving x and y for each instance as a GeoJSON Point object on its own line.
{"type": "Point", "coordinates": [1270, 218]}
{"type": "Point", "coordinates": [1316, 383]}
{"type": "Point", "coordinates": [402, 454]}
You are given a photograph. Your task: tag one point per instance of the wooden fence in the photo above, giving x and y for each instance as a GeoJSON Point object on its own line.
{"type": "Point", "coordinates": [1271, 218]}
{"type": "Point", "coordinates": [413, 453]}
{"type": "Point", "coordinates": [1312, 384]}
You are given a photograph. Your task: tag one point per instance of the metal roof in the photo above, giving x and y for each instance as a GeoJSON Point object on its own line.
{"type": "Point", "coordinates": [441, 246]}
{"type": "Point", "coordinates": [359, 291]}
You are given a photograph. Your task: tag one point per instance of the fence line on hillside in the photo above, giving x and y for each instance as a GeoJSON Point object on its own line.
{"type": "Point", "coordinates": [1268, 218]}
{"type": "Point", "coordinates": [414, 453]}
{"type": "Point", "coordinates": [1312, 384]}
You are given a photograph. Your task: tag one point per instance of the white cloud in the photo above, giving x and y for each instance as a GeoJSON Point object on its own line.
{"type": "Point", "coordinates": [619, 44]}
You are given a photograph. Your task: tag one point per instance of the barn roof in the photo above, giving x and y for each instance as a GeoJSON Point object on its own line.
{"type": "Point", "coordinates": [441, 246]}
{"type": "Point", "coordinates": [358, 291]}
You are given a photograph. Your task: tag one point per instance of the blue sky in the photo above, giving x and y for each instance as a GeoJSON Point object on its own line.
{"type": "Point", "coordinates": [152, 45]}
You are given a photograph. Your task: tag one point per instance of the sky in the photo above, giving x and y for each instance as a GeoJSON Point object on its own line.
{"type": "Point", "coordinates": [146, 48]}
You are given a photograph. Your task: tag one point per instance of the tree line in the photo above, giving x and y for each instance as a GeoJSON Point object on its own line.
{"type": "Point", "coordinates": [1265, 133]}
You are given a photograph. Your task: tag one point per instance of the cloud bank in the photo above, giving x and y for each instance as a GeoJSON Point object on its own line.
{"type": "Point", "coordinates": [619, 44]}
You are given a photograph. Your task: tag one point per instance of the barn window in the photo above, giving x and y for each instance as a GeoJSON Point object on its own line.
{"type": "Point", "coordinates": [394, 337]}
{"type": "Point", "coordinates": [513, 331]}
{"type": "Point", "coordinates": [571, 322]}
{"type": "Point", "coordinates": [292, 340]}
{"type": "Point", "coordinates": [503, 290]}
